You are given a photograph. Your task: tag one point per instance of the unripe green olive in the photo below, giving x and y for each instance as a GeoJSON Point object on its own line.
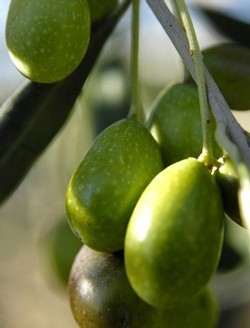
{"type": "Point", "coordinates": [229, 65]}
{"type": "Point", "coordinates": [200, 312]}
{"type": "Point", "coordinates": [105, 187]}
{"type": "Point", "coordinates": [174, 237]}
{"type": "Point", "coordinates": [47, 39]}
{"type": "Point", "coordinates": [175, 122]}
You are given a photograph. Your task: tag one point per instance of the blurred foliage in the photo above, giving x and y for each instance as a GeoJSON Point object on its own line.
{"type": "Point", "coordinates": [232, 28]}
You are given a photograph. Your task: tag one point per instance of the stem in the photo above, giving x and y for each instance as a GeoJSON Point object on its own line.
{"type": "Point", "coordinates": [136, 110]}
{"type": "Point", "coordinates": [176, 12]}
{"type": "Point", "coordinates": [207, 153]}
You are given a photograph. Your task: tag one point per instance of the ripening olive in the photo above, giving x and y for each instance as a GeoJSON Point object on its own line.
{"type": "Point", "coordinates": [101, 296]}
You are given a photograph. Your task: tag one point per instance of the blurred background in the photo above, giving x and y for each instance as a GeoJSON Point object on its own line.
{"type": "Point", "coordinates": [36, 245]}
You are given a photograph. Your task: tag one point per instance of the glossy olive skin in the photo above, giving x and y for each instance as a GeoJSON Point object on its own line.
{"type": "Point", "coordinates": [228, 181]}
{"type": "Point", "coordinates": [101, 296]}
{"type": "Point", "coordinates": [201, 311]}
{"type": "Point", "coordinates": [175, 122]}
{"type": "Point", "coordinates": [174, 237]}
{"type": "Point", "coordinates": [99, 9]}
{"type": "Point", "coordinates": [103, 191]}
{"type": "Point", "coordinates": [47, 41]}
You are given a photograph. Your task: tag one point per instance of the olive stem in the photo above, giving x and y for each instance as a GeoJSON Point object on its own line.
{"type": "Point", "coordinates": [194, 48]}
{"type": "Point", "coordinates": [136, 110]}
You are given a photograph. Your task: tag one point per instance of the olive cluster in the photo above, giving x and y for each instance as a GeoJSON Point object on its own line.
{"type": "Point", "coordinates": [151, 216]}
{"type": "Point", "coordinates": [149, 212]}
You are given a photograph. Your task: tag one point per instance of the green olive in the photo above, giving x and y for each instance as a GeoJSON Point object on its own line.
{"type": "Point", "coordinates": [175, 122]}
{"type": "Point", "coordinates": [200, 312]}
{"type": "Point", "coordinates": [47, 39]}
{"type": "Point", "coordinates": [104, 189]}
{"type": "Point", "coordinates": [174, 237]}
{"type": "Point", "coordinates": [229, 65]}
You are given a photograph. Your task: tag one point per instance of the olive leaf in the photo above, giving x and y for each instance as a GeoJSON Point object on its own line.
{"type": "Point", "coordinates": [33, 115]}
{"type": "Point", "coordinates": [230, 135]}
{"type": "Point", "coordinates": [234, 29]}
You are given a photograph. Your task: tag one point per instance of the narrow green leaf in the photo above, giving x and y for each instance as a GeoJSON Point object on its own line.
{"type": "Point", "coordinates": [234, 29]}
